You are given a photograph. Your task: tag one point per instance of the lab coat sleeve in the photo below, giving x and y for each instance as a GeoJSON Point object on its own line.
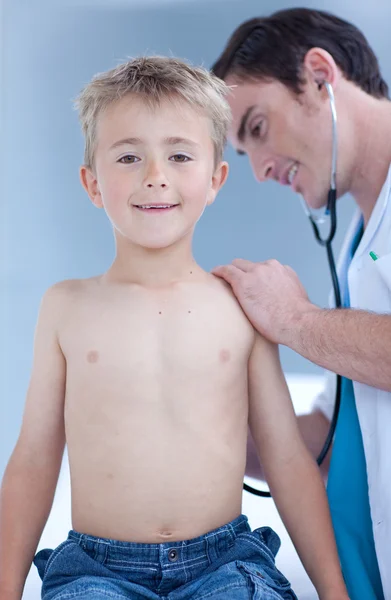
{"type": "Point", "coordinates": [325, 400]}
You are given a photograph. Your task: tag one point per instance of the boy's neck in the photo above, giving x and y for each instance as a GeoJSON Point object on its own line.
{"type": "Point", "coordinates": [153, 268]}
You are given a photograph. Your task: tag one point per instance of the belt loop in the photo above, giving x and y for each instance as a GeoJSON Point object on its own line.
{"type": "Point", "coordinates": [101, 551]}
{"type": "Point", "coordinates": [210, 550]}
{"type": "Point", "coordinates": [82, 541]}
{"type": "Point", "coordinates": [231, 533]}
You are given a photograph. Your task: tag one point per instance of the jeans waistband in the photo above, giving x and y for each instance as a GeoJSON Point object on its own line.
{"type": "Point", "coordinates": [208, 546]}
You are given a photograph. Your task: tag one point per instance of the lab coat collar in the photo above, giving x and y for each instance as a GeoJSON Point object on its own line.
{"type": "Point", "coordinates": [375, 218]}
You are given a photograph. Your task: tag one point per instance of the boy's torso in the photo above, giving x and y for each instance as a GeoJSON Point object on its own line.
{"type": "Point", "coordinates": [156, 407]}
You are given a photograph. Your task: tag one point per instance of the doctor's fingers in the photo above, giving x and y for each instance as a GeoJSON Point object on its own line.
{"type": "Point", "coordinates": [277, 266]}
{"type": "Point", "coordinates": [290, 270]}
{"type": "Point", "coordinates": [249, 266]}
{"type": "Point", "coordinates": [244, 265]}
{"type": "Point", "coordinates": [230, 273]}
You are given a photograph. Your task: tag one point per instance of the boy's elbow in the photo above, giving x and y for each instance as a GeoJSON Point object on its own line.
{"type": "Point", "coordinates": [44, 457]}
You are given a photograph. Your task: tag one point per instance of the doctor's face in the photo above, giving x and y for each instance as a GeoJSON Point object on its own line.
{"type": "Point", "coordinates": [286, 136]}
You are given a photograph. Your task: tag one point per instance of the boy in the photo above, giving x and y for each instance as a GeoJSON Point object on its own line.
{"type": "Point", "coordinates": [151, 373]}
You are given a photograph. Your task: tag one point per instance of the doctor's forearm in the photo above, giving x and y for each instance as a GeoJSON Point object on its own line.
{"type": "Point", "coordinates": [354, 343]}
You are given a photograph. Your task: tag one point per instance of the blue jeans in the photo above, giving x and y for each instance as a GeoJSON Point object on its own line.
{"type": "Point", "coordinates": [225, 564]}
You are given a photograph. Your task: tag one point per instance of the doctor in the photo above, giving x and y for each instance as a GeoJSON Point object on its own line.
{"type": "Point", "coordinates": [281, 120]}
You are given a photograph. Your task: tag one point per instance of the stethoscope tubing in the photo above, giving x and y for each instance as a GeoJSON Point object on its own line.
{"type": "Point", "coordinates": [326, 243]}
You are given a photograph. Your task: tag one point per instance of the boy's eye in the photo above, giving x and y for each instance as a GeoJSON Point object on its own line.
{"type": "Point", "coordinates": [128, 159]}
{"type": "Point", "coordinates": [181, 158]}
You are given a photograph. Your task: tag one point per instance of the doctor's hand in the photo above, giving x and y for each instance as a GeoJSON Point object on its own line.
{"type": "Point", "coordinates": [270, 294]}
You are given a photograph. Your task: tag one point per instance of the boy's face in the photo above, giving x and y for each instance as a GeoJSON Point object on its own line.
{"type": "Point", "coordinates": [154, 170]}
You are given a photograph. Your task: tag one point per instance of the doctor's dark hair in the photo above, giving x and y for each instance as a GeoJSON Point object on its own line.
{"type": "Point", "coordinates": [274, 47]}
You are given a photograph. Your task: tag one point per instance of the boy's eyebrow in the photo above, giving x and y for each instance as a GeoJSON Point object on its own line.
{"type": "Point", "coordinates": [130, 141]}
{"type": "Point", "coordinates": [170, 141]}
{"type": "Point", "coordinates": [173, 141]}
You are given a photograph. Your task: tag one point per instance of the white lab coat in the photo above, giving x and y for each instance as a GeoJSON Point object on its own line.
{"type": "Point", "coordinates": [370, 289]}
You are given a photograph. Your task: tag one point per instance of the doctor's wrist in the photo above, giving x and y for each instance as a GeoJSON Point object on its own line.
{"type": "Point", "coordinates": [299, 326]}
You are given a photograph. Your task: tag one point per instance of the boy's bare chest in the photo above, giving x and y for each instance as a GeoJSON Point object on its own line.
{"type": "Point", "coordinates": [145, 335]}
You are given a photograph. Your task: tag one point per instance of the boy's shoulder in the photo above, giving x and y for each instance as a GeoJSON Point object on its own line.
{"type": "Point", "coordinates": [71, 286]}
{"type": "Point", "coordinates": [69, 289]}
{"type": "Point", "coordinates": [221, 287]}
{"type": "Point", "coordinates": [225, 294]}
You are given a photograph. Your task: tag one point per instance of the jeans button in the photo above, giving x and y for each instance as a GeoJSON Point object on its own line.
{"type": "Point", "coordinates": [172, 555]}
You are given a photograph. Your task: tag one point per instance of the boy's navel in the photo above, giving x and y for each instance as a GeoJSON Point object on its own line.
{"type": "Point", "coordinates": [166, 535]}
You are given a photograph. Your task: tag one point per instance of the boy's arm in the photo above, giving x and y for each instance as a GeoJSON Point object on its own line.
{"type": "Point", "coordinates": [30, 480]}
{"type": "Point", "coordinates": [292, 474]}
{"type": "Point", "coordinates": [313, 426]}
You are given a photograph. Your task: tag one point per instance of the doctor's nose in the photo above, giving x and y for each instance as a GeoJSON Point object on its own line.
{"type": "Point", "coordinates": [155, 177]}
{"type": "Point", "coordinates": [263, 169]}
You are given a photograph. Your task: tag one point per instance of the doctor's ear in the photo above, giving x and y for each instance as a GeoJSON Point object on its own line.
{"type": "Point", "coordinates": [320, 66]}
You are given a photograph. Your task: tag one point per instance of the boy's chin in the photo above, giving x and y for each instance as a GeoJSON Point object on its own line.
{"type": "Point", "coordinates": [157, 244]}
{"type": "Point", "coordinates": [153, 241]}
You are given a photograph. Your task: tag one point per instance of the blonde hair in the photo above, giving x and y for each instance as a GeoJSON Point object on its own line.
{"type": "Point", "coordinates": [155, 78]}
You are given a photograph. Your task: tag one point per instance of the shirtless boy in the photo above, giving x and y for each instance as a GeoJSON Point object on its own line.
{"type": "Point", "coordinates": [150, 373]}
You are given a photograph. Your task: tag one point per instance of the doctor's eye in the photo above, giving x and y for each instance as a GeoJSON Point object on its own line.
{"type": "Point", "coordinates": [128, 159]}
{"type": "Point", "coordinates": [257, 130]}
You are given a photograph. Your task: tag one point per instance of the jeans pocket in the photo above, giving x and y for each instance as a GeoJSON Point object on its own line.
{"type": "Point", "coordinates": [268, 537]}
{"type": "Point", "coordinates": [45, 558]}
{"type": "Point", "coordinates": [265, 578]}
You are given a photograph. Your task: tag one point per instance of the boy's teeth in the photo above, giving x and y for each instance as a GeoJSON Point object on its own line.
{"type": "Point", "coordinates": [157, 206]}
{"type": "Point", "coordinates": [292, 173]}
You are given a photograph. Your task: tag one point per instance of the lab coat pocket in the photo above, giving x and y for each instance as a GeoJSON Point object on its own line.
{"type": "Point", "coordinates": [370, 285]}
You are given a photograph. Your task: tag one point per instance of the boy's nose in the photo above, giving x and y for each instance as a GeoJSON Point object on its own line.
{"type": "Point", "coordinates": [153, 185]}
{"type": "Point", "coordinates": [155, 177]}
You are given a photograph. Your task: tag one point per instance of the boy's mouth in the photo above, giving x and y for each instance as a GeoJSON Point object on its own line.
{"type": "Point", "coordinates": [153, 208]}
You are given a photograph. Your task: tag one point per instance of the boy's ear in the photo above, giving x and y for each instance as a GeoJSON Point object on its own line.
{"type": "Point", "coordinates": [90, 184]}
{"type": "Point", "coordinates": [219, 178]}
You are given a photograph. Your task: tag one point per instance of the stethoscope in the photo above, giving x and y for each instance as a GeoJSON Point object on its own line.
{"type": "Point", "coordinates": [330, 211]}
